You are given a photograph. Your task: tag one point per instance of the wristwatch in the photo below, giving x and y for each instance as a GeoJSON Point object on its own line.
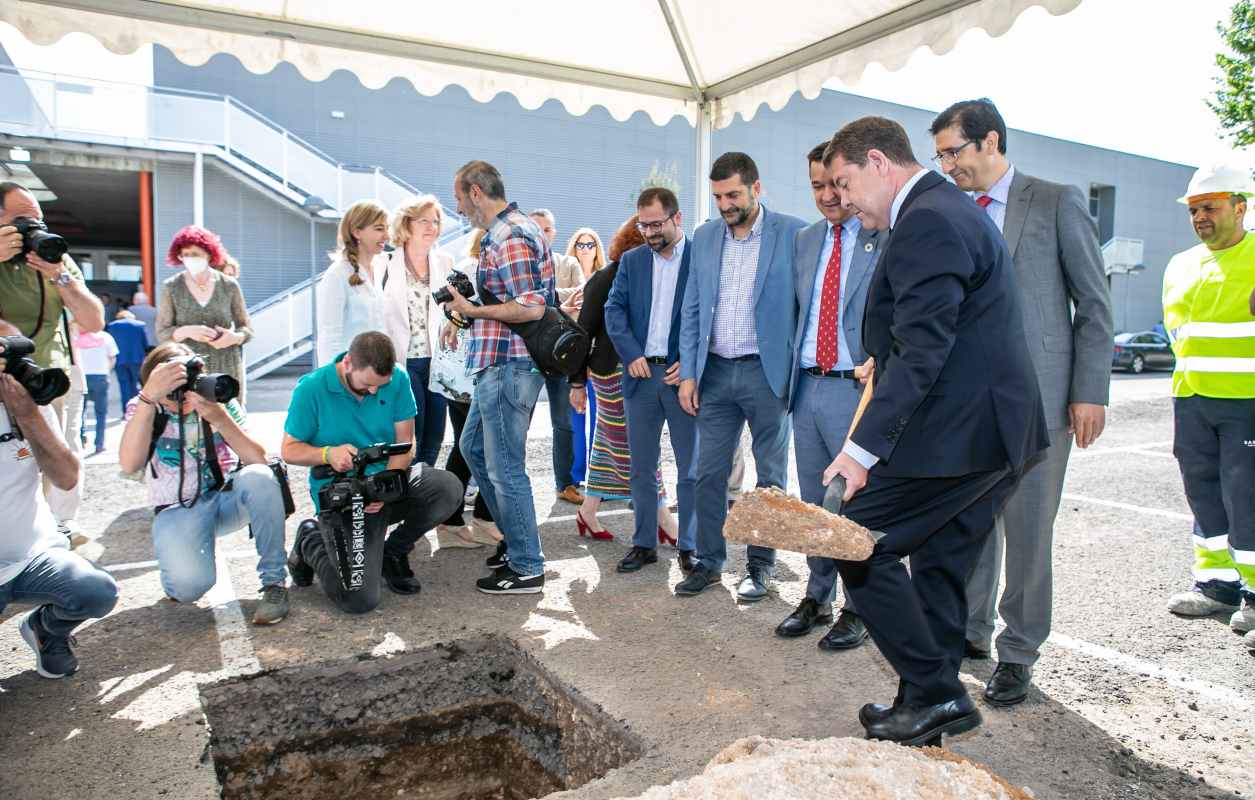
{"type": "Point", "coordinates": [64, 279]}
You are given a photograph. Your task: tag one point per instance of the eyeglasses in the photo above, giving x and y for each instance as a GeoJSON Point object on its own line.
{"type": "Point", "coordinates": [429, 223]}
{"type": "Point", "coordinates": [950, 154]}
{"type": "Point", "coordinates": [585, 245]}
{"type": "Point", "coordinates": [652, 227]}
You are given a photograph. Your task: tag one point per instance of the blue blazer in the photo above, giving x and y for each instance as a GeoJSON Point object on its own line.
{"type": "Point", "coordinates": [631, 302]}
{"type": "Point", "coordinates": [775, 309]}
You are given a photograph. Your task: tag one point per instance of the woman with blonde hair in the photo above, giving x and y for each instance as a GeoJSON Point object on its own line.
{"type": "Point", "coordinates": [411, 318]}
{"type": "Point", "coordinates": [349, 299]}
{"type": "Point", "coordinates": [585, 247]}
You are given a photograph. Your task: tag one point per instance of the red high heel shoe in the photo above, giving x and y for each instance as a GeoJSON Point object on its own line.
{"type": "Point", "coordinates": [587, 530]}
{"type": "Point", "coordinates": [664, 537]}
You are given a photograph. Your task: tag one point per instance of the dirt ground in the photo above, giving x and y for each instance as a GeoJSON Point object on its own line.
{"type": "Point", "coordinates": [1130, 702]}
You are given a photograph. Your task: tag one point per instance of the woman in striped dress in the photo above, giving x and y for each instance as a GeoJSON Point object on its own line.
{"type": "Point", "coordinates": [610, 467]}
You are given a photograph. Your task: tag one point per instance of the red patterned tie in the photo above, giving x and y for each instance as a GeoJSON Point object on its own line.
{"type": "Point", "coordinates": [830, 308]}
{"type": "Point", "coordinates": [984, 200]}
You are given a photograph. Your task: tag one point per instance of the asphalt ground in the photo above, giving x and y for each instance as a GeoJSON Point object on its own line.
{"type": "Point", "coordinates": [1129, 701]}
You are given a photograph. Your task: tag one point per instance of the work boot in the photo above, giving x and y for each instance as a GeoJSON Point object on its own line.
{"type": "Point", "coordinates": [302, 573]}
{"type": "Point", "coordinates": [1196, 604]}
{"type": "Point", "coordinates": [1243, 620]}
{"type": "Point", "coordinates": [273, 606]}
{"type": "Point", "coordinates": [398, 575]}
{"type": "Point", "coordinates": [53, 656]}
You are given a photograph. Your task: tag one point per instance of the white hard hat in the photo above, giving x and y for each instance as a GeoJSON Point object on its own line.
{"type": "Point", "coordinates": [1220, 178]}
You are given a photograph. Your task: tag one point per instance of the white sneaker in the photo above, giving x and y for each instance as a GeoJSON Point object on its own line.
{"type": "Point", "coordinates": [485, 532]}
{"type": "Point", "coordinates": [1249, 641]}
{"type": "Point", "coordinates": [1243, 620]}
{"type": "Point", "coordinates": [455, 536]}
{"type": "Point", "coordinates": [1197, 604]}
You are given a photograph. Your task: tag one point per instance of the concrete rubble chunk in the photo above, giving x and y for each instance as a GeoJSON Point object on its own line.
{"type": "Point", "coordinates": [771, 518]}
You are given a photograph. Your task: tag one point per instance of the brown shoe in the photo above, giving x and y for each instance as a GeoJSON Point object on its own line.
{"type": "Point", "coordinates": [571, 494]}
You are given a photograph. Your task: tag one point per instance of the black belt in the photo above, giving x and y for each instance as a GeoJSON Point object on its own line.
{"type": "Point", "coordinates": [835, 373]}
{"type": "Point", "coordinates": [656, 360]}
{"type": "Point", "coordinates": [747, 357]}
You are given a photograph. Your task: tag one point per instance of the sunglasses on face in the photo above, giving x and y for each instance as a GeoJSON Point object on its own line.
{"type": "Point", "coordinates": [585, 245]}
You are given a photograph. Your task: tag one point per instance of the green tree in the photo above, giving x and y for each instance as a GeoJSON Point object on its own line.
{"type": "Point", "coordinates": [666, 177]}
{"type": "Point", "coordinates": [1234, 101]}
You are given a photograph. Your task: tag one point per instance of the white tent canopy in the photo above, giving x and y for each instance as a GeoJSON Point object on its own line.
{"type": "Point", "coordinates": [705, 60]}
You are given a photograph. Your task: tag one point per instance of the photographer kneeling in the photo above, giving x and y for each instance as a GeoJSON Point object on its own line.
{"type": "Point", "coordinates": [36, 564]}
{"type": "Point", "coordinates": [187, 443]}
{"type": "Point", "coordinates": [337, 413]}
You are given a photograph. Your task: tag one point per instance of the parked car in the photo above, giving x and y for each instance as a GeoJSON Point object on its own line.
{"type": "Point", "coordinates": [1138, 352]}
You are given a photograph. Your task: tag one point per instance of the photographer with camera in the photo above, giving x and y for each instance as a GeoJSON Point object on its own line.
{"type": "Point", "coordinates": [36, 566]}
{"type": "Point", "coordinates": [342, 420]}
{"type": "Point", "coordinates": [185, 431]}
{"type": "Point", "coordinates": [39, 283]}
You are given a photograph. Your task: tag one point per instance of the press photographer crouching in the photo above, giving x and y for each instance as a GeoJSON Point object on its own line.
{"type": "Point", "coordinates": [36, 565]}
{"type": "Point", "coordinates": [353, 421]}
{"type": "Point", "coordinates": [206, 477]}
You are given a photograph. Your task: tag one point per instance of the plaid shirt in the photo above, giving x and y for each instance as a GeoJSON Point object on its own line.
{"type": "Point", "coordinates": [514, 264]}
{"type": "Point", "coordinates": [733, 333]}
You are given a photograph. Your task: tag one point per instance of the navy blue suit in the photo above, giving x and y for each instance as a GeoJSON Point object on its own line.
{"type": "Point", "coordinates": [132, 338]}
{"type": "Point", "coordinates": [955, 416]}
{"type": "Point", "coordinates": [649, 402]}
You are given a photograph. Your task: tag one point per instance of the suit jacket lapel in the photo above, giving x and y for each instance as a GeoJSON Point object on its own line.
{"type": "Point", "coordinates": [810, 256]}
{"type": "Point", "coordinates": [860, 270]}
{"type": "Point", "coordinates": [681, 281]}
{"type": "Point", "coordinates": [1019, 197]}
{"type": "Point", "coordinates": [765, 249]}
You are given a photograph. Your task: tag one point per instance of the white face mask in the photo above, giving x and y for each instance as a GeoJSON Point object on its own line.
{"type": "Point", "coordinates": [195, 264]}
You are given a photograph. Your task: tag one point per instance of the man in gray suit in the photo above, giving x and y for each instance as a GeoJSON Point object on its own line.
{"type": "Point", "coordinates": [832, 264]}
{"type": "Point", "coordinates": [1067, 323]}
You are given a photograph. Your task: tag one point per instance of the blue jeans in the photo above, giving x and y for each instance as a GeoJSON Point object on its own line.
{"type": "Point", "coordinates": [582, 426]}
{"type": "Point", "coordinates": [184, 538]}
{"type": "Point", "coordinates": [69, 587]}
{"type": "Point", "coordinates": [559, 393]}
{"type": "Point", "coordinates": [128, 382]}
{"type": "Point", "coordinates": [494, 444]}
{"type": "Point", "coordinates": [732, 393]}
{"type": "Point", "coordinates": [652, 403]}
{"type": "Point", "coordinates": [98, 395]}
{"type": "Point", "coordinates": [429, 420]}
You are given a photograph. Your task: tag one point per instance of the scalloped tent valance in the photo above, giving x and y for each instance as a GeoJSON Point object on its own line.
{"type": "Point", "coordinates": [706, 61]}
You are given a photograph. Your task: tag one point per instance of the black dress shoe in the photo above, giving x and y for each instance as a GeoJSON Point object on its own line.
{"type": "Point", "coordinates": [805, 617]}
{"type": "Point", "coordinates": [1009, 684]}
{"type": "Point", "coordinates": [918, 726]}
{"type": "Point", "coordinates": [696, 582]}
{"type": "Point", "coordinates": [300, 570]}
{"type": "Point", "coordinates": [871, 713]}
{"type": "Point", "coordinates": [636, 558]}
{"type": "Point", "coordinates": [398, 575]}
{"type": "Point", "coordinates": [688, 561]}
{"type": "Point", "coordinates": [974, 651]}
{"type": "Point", "coordinates": [849, 632]}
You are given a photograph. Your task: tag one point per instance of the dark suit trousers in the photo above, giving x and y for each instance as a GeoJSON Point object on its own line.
{"type": "Point", "coordinates": [918, 620]}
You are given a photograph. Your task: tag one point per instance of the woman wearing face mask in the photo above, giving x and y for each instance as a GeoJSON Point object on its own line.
{"type": "Point", "coordinates": [414, 319]}
{"type": "Point", "coordinates": [203, 308]}
{"type": "Point", "coordinates": [350, 300]}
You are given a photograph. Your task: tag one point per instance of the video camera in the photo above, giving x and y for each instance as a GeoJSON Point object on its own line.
{"type": "Point", "coordinates": [37, 239]}
{"type": "Point", "coordinates": [44, 385]}
{"type": "Point", "coordinates": [342, 507]}
{"type": "Point", "coordinates": [215, 386]}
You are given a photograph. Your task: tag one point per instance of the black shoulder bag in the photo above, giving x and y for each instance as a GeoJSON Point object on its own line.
{"type": "Point", "coordinates": [557, 343]}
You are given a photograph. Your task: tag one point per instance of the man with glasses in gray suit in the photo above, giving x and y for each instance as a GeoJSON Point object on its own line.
{"type": "Point", "coordinates": [1066, 308]}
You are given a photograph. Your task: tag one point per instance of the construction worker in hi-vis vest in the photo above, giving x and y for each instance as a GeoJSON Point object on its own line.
{"type": "Point", "coordinates": [1209, 312]}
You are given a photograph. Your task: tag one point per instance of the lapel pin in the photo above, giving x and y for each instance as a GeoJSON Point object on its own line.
{"type": "Point", "coordinates": [869, 247]}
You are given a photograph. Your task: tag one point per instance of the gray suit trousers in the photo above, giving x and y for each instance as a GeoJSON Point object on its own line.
{"type": "Point", "coordinates": [1025, 530]}
{"type": "Point", "coordinates": [821, 419]}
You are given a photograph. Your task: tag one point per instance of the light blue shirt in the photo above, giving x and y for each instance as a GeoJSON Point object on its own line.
{"type": "Point", "coordinates": [1000, 192]}
{"type": "Point", "coordinates": [810, 339]}
{"type": "Point", "coordinates": [666, 276]}
{"type": "Point", "coordinates": [732, 333]}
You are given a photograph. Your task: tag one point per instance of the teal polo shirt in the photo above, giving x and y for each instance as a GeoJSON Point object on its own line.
{"type": "Point", "coordinates": [324, 413]}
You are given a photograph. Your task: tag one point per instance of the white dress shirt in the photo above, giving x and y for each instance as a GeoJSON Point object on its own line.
{"type": "Point", "coordinates": [868, 460]}
{"type": "Point", "coordinates": [998, 194]}
{"type": "Point", "coordinates": [666, 276]}
{"type": "Point", "coordinates": [810, 339]}
{"type": "Point", "coordinates": [733, 333]}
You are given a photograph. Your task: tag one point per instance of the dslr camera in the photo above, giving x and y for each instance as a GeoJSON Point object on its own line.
{"type": "Point", "coordinates": [216, 386]}
{"type": "Point", "coordinates": [342, 507]}
{"type": "Point", "coordinates": [43, 385]}
{"type": "Point", "coordinates": [457, 280]}
{"type": "Point", "coordinates": [37, 239]}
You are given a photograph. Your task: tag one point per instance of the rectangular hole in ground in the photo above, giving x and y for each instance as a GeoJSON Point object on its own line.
{"type": "Point", "coordinates": [469, 720]}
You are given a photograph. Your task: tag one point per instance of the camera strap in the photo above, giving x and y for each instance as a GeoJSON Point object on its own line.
{"type": "Point", "coordinates": [160, 419]}
{"type": "Point", "coordinates": [211, 454]}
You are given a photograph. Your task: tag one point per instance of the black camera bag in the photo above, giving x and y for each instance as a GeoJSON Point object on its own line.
{"type": "Point", "coordinates": [557, 343]}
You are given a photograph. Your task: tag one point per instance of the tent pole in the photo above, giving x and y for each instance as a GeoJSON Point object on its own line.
{"type": "Point", "coordinates": [703, 158]}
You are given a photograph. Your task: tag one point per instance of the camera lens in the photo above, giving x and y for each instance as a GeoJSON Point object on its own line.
{"type": "Point", "coordinates": [442, 295]}
{"type": "Point", "coordinates": [43, 385]}
{"type": "Point", "coordinates": [216, 386]}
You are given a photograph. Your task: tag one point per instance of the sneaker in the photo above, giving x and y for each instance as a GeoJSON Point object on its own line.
{"type": "Point", "coordinates": [498, 559]}
{"type": "Point", "coordinates": [1243, 620]}
{"type": "Point", "coordinates": [506, 581]}
{"type": "Point", "coordinates": [455, 536]}
{"type": "Point", "coordinates": [485, 531]}
{"type": "Point", "coordinates": [54, 657]}
{"type": "Point", "coordinates": [302, 573]}
{"type": "Point", "coordinates": [398, 575]}
{"type": "Point", "coordinates": [753, 587]}
{"type": "Point", "coordinates": [1197, 604]}
{"type": "Point", "coordinates": [472, 491]}
{"type": "Point", "coordinates": [273, 606]}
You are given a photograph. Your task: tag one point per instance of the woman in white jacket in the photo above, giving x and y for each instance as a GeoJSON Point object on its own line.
{"type": "Point", "coordinates": [412, 319]}
{"type": "Point", "coordinates": [349, 299]}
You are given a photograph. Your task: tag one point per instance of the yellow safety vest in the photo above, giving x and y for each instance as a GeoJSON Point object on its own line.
{"type": "Point", "coordinates": [1207, 312]}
